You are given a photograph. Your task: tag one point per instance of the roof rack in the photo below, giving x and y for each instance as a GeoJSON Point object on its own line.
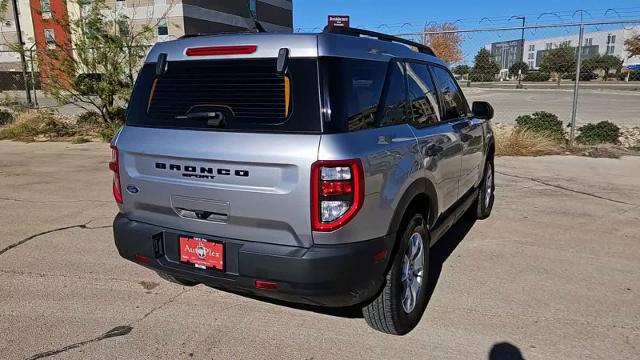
{"type": "Point", "coordinates": [380, 36]}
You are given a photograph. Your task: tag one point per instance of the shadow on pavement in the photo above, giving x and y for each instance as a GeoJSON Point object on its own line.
{"type": "Point", "coordinates": [505, 351]}
{"type": "Point", "coordinates": [439, 254]}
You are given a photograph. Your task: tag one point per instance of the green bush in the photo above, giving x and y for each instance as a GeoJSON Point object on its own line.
{"type": "Point", "coordinates": [633, 76]}
{"type": "Point", "coordinates": [108, 131]}
{"type": "Point", "coordinates": [603, 132]}
{"type": "Point", "coordinates": [6, 117]}
{"type": "Point", "coordinates": [537, 76]}
{"type": "Point", "coordinates": [481, 77]}
{"type": "Point", "coordinates": [542, 122]}
{"type": "Point", "coordinates": [89, 118]}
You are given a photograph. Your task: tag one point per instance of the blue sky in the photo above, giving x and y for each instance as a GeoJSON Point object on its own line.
{"type": "Point", "coordinates": [402, 16]}
{"type": "Point", "coordinates": [310, 13]}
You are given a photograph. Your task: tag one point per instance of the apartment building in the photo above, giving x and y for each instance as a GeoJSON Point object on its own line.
{"type": "Point", "coordinates": [41, 20]}
{"type": "Point", "coordinates": [604, 42]}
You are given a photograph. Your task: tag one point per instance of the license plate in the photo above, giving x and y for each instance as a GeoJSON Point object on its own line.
{"type": "Point", "coordinates": [204, 254]}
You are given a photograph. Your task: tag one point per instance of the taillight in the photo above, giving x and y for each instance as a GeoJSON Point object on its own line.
{"type": "Point", "coordinates": [337, 192]}
{"type": "Point", "coordinates": [114, 166]}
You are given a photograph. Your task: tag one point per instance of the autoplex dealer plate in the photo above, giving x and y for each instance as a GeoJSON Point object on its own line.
{"type": "Point", "coordinates": [201, 253]}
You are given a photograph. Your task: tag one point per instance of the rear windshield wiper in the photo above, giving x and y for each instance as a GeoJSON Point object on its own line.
{"type": "Point", "coordinates": [214, 119]}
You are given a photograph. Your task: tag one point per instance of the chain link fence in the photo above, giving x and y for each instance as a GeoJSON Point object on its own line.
{"type": "Point", "coordinates": [527, 69]}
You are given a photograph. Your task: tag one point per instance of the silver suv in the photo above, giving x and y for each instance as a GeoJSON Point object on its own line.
{"type": "Point", "coordinates": [310, 168]}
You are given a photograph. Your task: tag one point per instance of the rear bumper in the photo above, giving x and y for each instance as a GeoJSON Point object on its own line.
{"type": "Point", "coordinates": [333, 276]}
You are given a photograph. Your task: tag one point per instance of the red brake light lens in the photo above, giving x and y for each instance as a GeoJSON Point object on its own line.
{"type": "Point", "coordinates": [114, 166]}
{"type": "Point", "coordinates": [222, 50]}
{"type": "Point", "coordinates": [337, 193]}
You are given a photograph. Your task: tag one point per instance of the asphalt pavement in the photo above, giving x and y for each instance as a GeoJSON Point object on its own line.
{"type": "Point", "coordinates": [553, 274]}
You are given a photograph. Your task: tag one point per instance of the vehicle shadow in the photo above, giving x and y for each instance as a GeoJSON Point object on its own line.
{"type": "Point", "coordinates": [505, 351]}
{"type": "Point", "coordinates": [439, 254]}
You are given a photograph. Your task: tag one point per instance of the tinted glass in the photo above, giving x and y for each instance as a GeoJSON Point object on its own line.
{"type": "Point", "coordinates": [453, 103]}
{"type": "Point", "coordinates": [246, 94]}
{"type": "Point", "coordinates": [395, 101]}
{"type": "Point", "coordinates": [355, 87]}
{"type": "Point", "coordinates": [422, 95]}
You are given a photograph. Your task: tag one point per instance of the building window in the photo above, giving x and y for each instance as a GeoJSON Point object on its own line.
{"type": "Point", "coordinates": [531, 64]}
{"type": "Point", "coordinates": [163, 27]}
{"type": "Point", "coordinates": [532, 47]}
{"type": "Point", "coordinates": [50, 38]}
{"type": "Point", "coordinates": [588, 42]}
{"type": "Point", "coordinates": [531, 56]}
{"type": "Point", "coordinates": [566, 43]}
{"type": "Point", "coordinates": [610, 49]}
{"type": "Point", "coordinates": [45, 9]}
{"type": "Point", "coordinates": [549, 46]}
{"type": "Point", "coordinates": [613, 39]}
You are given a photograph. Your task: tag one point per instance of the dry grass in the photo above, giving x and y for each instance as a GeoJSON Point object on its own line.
{"type": "Point", "coordinates": [47, 125]}
{"type": "Point", "coordinates": [525, 143]}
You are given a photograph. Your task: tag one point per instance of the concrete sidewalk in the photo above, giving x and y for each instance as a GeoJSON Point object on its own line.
{"type": "Point", "coordinates": [553, 274]}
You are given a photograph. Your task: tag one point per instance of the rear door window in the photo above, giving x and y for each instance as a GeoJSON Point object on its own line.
{"type": "Point", "coordinates": [243, 95]}
{"type": "Point", "coordinates": [453, 102]}
{"type": "Point", "coordinates": [422, 95]}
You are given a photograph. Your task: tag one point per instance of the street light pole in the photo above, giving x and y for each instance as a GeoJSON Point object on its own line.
{"type": "Point", "coordinates": [23, 59]}
{"type": "Point", "coordinates": [524, 20]}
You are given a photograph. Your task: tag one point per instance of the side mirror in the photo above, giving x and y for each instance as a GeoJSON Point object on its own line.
{"type": "Point", "coordinates": [482, 110]}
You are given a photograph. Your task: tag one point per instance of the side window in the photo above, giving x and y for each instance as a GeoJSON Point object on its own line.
{"type": "Point", "coordinates": [395, 101]}
{"type": "Point", "coordinates": [422, 95]}
{"type": "Point", "coordinates": [453, 103]}
{"type": "Point", "coordinates": [356, 87]}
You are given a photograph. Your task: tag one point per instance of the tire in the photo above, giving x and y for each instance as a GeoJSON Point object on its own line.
{"type": "Point", "coordinates": [175, 280]}
{"type": "Point", "coordinates": [486, 193]}
{"type": "Point", "coordinates": [388, 312]}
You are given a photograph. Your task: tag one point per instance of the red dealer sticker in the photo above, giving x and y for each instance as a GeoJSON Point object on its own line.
{"type": "Point", "coordinates": [202, 253]}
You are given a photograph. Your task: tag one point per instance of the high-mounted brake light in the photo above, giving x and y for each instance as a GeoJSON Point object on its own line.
{"type": "Point", "coordinates": [114, 166]}
{"type": "Point", "coordinates": [222, 50]}
{"type": "Point", "coordinates": [337, 193]}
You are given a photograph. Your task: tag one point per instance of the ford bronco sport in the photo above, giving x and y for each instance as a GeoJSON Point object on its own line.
{"type": "Point", "coordinates": [309, 168]}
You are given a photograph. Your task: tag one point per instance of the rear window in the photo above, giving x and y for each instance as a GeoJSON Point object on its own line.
{"type": "Point", "coordinates": [243, 95]}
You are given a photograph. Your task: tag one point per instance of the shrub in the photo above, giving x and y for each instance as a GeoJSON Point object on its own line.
{"type": "Point", "coordinates": [542, 122]}
{"type": "Point", "coordinates": [481, 77]}
{"type": "Point", "coordinates": [537, 76]}
{"type": "Point", "coordinates": [633, 76]}
{"type": "Point", "coordinates": [520, 142]}
{"type": "Point", "coordinates": [6, 117]}
{"type": "Point", "coordinates": [603, 132]}
{"type": "Point", "coordinates": [108, 131]}
{"type": "Point", "coordinates": [32, 124]}
{"type": "Point", "coordinates": [89, 118]}
{"type": "Point", "coordinates": [80, 140]}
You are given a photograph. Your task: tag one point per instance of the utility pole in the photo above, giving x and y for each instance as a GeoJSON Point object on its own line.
{"type": "Point", "coordinates": [524, 19]}
{"type": "Point", "coordinates": [576, 88]}
{"type": "Point", "coordinates": [23, 59]}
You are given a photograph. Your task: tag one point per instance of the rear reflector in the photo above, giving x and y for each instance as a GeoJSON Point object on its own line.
{"type": "Point", "coordinates": [222, 50]}
{"type": "Point", "coordinates": [142, 259]}
{"type": "Point", "coordinates": [379, 256]}
{"type": "Point", "coordinates": [266, 285]}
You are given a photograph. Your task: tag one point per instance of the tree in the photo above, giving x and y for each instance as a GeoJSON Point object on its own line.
{"type": "Point", "coordinates": [518, 67]}
{"type": "Point", "coordinates": [632, 45]}
{"type": "Point", "coordinates": [461, 70]}
{"type": "Point", "coordinates": [444, 41]}
{"type": "Point", "coordinates": [608, 63]}
{"type": "Point", "coordinates": [97, 72]}
{"type": "Point", "coordinates": [561, 60]}
{"type": "Point", "coordinates": [485, 68]}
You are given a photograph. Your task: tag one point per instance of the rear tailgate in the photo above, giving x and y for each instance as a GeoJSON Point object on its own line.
{"type": "Point", "coordinates": [245, 186]}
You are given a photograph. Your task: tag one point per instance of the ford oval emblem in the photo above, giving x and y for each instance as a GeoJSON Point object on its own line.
{"type": "Point", "coordinates": [132, 189]}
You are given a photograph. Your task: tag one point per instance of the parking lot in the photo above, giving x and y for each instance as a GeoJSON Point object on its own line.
{"type": "Point", "coordinates": [594, 105]}
{"type": "Point", "coordinates": [553, 274]}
